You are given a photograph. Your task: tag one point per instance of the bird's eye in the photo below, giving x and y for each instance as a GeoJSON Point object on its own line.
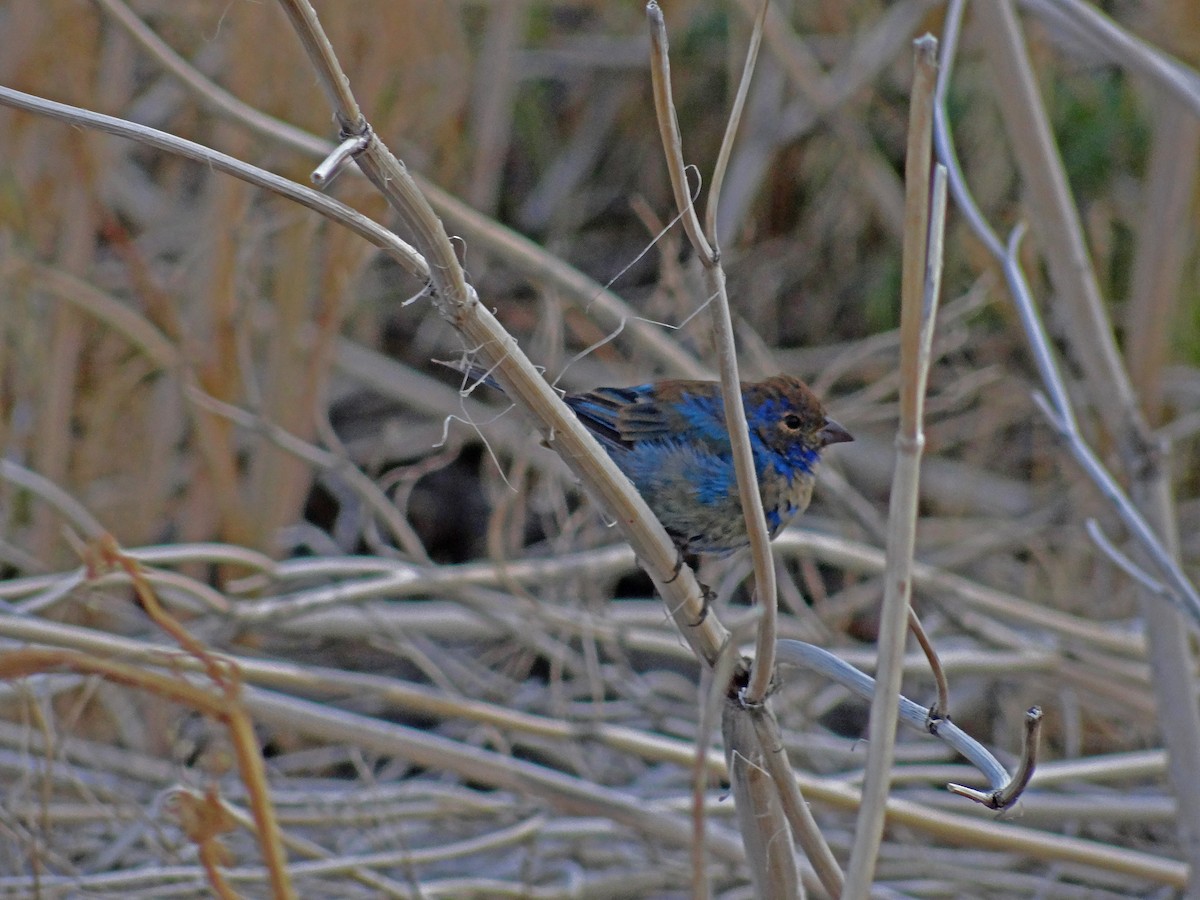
{"type": "Point", "coordinates": [792, 422]}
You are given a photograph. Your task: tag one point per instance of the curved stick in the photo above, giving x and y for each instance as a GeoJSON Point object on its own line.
{"type": "Point", "coordinates": [1005, 788]}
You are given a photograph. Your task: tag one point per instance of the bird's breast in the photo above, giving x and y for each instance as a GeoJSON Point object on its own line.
{"type": "Point", "coordinates": [784, 497]}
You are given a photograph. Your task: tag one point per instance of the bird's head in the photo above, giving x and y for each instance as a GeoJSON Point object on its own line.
{"type": "Point", "coordinates": [790, 422]}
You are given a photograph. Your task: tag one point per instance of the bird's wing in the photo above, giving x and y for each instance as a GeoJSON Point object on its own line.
{"type": "Point", "coordinates": [620, 417]}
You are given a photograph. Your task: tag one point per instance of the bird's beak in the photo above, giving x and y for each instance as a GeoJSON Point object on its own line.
{"type": "Point", "coordinates": [833, 433]}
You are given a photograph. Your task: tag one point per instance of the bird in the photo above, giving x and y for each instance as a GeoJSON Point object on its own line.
{"type": "Point", "coordinates": [670, 440]}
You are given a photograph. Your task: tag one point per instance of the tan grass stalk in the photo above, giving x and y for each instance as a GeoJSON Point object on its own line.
{"type": "Point", "coordinates": [421, 699]}
{"type": "Point", "coordinates": [52, 447]}
{"type": "Point", "coordinates": [219, 699]}
{"type": "Point", "coordinates": [1168, 220]}
{"type": "Point", "coordinates": [476, 229]}
{"type": "Point", "coordinates": [54, 496]}
{"type": "Point", "coordinates": [925, 211]}
{"type": "Point", "coordinates": [764, 813]}
{"type": "Point", "coordinates": [396, 249]}
{"type": "Point", "coordinates": [458, 303]}
{"type": "Point", "coordinates": [713, 701]}
{"type": "Point", "coordinates": [761, 820]}
{"type": "Point", "coordinates": [29, 661]}
{"type": "Point", "coordinates": [1055, 220]}
{"type": "Point", "coordinates": [425, 748]}
{"type": "Point", "coordinates": [408, 697]}
{"type": "Point", "coordinates": [796, 810]}
{"type": "Point", "coordinates": [389, 738]}
{"type": "Point", "coordinates": [399, 528]}
{"type": "Point", "coordinates": [1056, 223]}
{"type": "Point", "coordinates": [495, 89]}
{"type": "Point", "coordinates": [731, 127]}
{"type": "Point", "coordinates": [1097, 35]}
{"type": "Point", "coordinates": [731, 392]}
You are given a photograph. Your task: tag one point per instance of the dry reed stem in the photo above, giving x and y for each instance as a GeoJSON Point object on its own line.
{"type": "Point", "coordinates": [622, 660]}
{"type": "Point", "coordinates": [672, 141]}
{"type": "Point", "coordinates": [396, 249]}
{"type": "Point", "coordinates": [925, 211]}
{"type": "Point", "coordinates": [358, 868]}
{"type": "Point", "coordinates": [721, 166]}
{"type": "Point", "coordinates": [53, 495]}
{"type": "Point", "coordinates": [422, 701]}
{"type": "Point", "coordinates": [523, 384]}
{"type": "Point", "coordinates": [421, 747]}
{"type": "Point", "coordinates": [223, 707]}
{"type": "Point", "coordinates": [1162, 245]}
{"type": "Point", "coordinates": [763, 669]}
{"type": "Point", "coordinates": [757, 794]}
{"type": "Point", "coordinates": [320, 682]}
{"type": "Point", "coordinates": [401, 531]}
{"type": "Point", "coordinates": [1097, 34]}
{"type": "Point", "coordinates": [492, 100]}
{"type": "Point", "coordinates": [477, 229]}
{"type": "Point", "coordinates": [1056, 223]}
{"type": "Point", "coordinates": [941, 707]}
{"type": "Point", "coordinates": [772, 755]}
{"type": "Point", "coordinates": [1057, 408]}
{"type": "Point", "coordinates": [1156, 290]}
{"type": "Point", "coordinates": [763, 813]}
{"type": "Point", "coordinates": [338, 725]}
{"type": "Point", "coordinates": [712, 702]}
{"type": "Point", "coordinates": [226, 706]}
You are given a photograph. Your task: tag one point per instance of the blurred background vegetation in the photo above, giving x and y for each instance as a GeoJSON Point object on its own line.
{"type": "Point", "coordinates": [136, 284]}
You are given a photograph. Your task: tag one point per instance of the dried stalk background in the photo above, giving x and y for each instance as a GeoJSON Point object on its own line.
{"type": "Point", "coordinates": [450, 700]}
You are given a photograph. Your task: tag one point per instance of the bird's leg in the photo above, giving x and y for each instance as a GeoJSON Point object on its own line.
{"type": "Point", "coordinates": [708, 595]}
{"type": "Point", "coordinates": [678, 564]}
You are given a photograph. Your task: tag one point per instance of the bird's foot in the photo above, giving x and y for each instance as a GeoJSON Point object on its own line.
{"type": "Point", "coordinates": [678, 565]}
{"type": "Point", "coordinates": [708, 595]}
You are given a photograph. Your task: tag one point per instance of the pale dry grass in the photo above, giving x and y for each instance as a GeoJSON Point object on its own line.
{"type": "Point", "coordinates": [483, 726]}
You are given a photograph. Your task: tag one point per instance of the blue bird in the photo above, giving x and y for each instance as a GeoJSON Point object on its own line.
{"type": "Point", "coordinates": [670, 440]}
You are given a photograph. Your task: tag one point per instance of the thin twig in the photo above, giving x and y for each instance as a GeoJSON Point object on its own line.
{"type": "Point", "coordinates": [920, 283]}
{"type": "Point", "coordinates": [1108, 383]}
{"type": "Point", "coordinates": [51, 493]}
{"type": "Point", "coordinates": [224, 704]}
{"type": "Point", "coordinates": [1104, 38]}
{"type": "Point", "coordinates": [712, 701]}
{"type": "Point", "coordinates": [324, 682]}
{"type": "Point", "coordinates": [731, 390]}
{"type": "Point", "coordinates": [764, 804]}
{"type": "Point", "coordinates": [765, 829]}
{"type": "Point", "coordinates": [910, 714]}
{"type": "Point", "coordinates": [1055, 222]}
{"type": "Point", "coordinates": [941, 707]}
{"type": "Point", "coordinates": [731, 128]}
{"type": "Point", "coordinates": [425, 748]}
{"type": "Point", "coordinates": [344, 215]}
{"type": "Point", "coordinates": [1183, 593]}
{"type": "Point", "coordinates": [401, 531]}
{"type": "Point", "coordinates": [341, 156]}
{"type": "Point", "coordinates": [795, 808]}
{"type": "Point", "coordinates": [1008, 795]}
{"type": "Point", "coordinates": [1123, 562]}
{"type": "Point", "coordinates": [457, 302]}
{"type": "Point", "coordinates": [478, 230]}
{"type": "Point", "coordinates": [1059, 410]}
{"type": "Point", "coordinates": [668, 129]}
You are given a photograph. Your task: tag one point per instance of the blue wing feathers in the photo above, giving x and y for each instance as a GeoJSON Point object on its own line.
{"type": "Point", "coordinates": [670, 440]}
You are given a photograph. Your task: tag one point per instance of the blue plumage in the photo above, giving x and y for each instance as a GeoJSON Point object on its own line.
{"type": "Point", "coordinates": [669, 439]}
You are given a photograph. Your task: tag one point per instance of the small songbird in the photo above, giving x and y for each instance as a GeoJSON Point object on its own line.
{"type": "Point", "coordinates": [670, 440]}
